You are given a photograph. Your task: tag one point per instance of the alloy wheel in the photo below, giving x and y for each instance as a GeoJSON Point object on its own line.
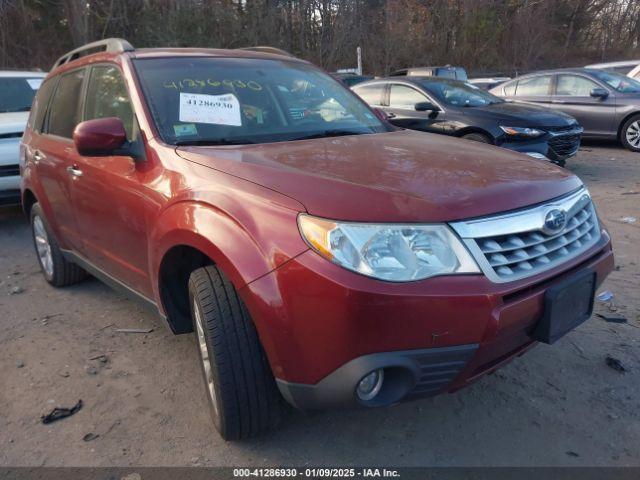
{"type": "Point", "coordinates": [43, 247]}
{"type": "Point", "coordinates": [633, 134]}
{"type": "Point", "coordinates": [204, 356]}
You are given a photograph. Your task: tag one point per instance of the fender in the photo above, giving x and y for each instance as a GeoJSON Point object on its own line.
{"type": "Point", "coordinates": [244, 250]}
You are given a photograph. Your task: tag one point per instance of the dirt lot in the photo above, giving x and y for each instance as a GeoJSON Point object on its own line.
{"type": "Point", "coordinates": [557, 405]}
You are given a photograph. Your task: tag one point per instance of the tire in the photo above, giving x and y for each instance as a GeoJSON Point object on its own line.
{"type": "Point", "coordinates": [243, 397]}
{"type": "Point", "coordinates": [630, 134]}
{"type": "Point", "coordinates": [57, 270]}
{"type": "Point", "coordinates": [477, 137]}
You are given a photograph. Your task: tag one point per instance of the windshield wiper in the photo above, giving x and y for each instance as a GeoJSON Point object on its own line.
{"type": "Point", "coordinates": [329, 133]}
{"type": "Point", "coordinates": [212, 142]}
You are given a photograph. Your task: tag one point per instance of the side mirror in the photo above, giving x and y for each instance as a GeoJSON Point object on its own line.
{"type": "Point", "coordinates": [426, 107]}
{"type": "Point", "coordinates": [100, 137]}
{"type": "Point", "coordinates": [599, 93]}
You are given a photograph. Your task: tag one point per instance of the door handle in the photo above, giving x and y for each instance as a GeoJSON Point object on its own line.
{"type": "Point", "coordinates": [37, 156]}
{"type": "Point", "coordinates": [391, 115]}
{"type": "Point", "coordinates": [74, 171]}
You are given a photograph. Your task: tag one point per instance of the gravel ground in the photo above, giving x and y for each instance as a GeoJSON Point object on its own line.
{"type": "Point", "coordinates": [144, 398]}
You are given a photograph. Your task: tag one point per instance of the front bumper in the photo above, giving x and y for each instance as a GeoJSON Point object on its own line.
{"type": "Point", "coordinates": [323, 328]}
{"type": "Point", "coordinates": [557, 146]}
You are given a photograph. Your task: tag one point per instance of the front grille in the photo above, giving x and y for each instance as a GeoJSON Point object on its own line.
{"type": "Point", "coordinates": [563, 146]}
{"type": "Point", "coordinates": [518, 245]}
{"type": "Point", "coordinates": [9, 170]}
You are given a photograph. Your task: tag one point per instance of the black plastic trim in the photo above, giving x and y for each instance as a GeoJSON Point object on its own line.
{"type": "Point", "coordinates": [408, 374]}
{"type": "Point", "coordinates": [114, 283]}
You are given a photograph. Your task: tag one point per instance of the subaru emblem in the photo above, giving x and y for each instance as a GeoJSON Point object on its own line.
{"type": "Point", "coordinates": [554, 221]}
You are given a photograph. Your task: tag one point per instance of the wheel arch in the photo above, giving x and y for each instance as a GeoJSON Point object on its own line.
{"type": "Point", "coordinates": [625, 120]}
{"type": "Point", "coordinates": [189, 235]}
{"type": "Point", "coordinates": [468, 130]}
{"type": "Point", "coordinates": [29, 199]}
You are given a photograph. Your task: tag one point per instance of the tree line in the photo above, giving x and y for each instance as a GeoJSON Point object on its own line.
{"type": "Point", "coordinates": [484, 36]}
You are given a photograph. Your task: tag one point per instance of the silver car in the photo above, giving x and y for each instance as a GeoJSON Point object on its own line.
{"type": "Point", "coordinates": [606, 104]}
{"type": "Point", "coordinates": [17, 90]}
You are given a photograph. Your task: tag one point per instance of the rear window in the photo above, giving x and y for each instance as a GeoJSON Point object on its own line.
{"type": "Point", "coordinates": [16, 93]}
{"type": "Point", "coordinates": [65, 106]}
{"type": "Point", "coordinates": [372, 94]}
{"type": "Point", "coordinates": [215, 101]}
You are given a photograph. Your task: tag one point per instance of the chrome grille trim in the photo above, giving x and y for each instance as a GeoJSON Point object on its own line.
{"type": "Point", "coordinates": [512, 246]}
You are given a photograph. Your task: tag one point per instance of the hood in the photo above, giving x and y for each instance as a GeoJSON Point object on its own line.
{"type": "Point", "coordinates": [402, 176]}
{"type": "Point", "coordinates": [522, 114]}
{"type": "Point", "coordinates": [13, 122]}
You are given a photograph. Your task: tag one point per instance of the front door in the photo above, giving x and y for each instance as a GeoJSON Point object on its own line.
{"type": "Point", "coordinates": [109, 196]}
{"type": "Point", "coordinates": [573, 96]}
{"type": "Point", "coordinates": [402, 107]}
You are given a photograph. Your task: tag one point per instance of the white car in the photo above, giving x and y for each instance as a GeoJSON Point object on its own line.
{"type": "Point", "coordinates": [17, 90]}
{"type": "Point", "coordinates": [625, 67]}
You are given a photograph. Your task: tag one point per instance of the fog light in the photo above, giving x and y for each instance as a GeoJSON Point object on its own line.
{"type": "Point", "coordinates": [370, 385]}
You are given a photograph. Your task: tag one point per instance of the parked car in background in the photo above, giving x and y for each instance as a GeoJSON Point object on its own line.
{"type": "Point", "coordinates": [606, 104]}
{"type": "Point", "coordinates": [17, 90]}
{"type": "Point", "coordinates": [623, 67]}
{"type": "Point", "coordinates": [351, 79]}
{"type": "Point", "coordinates": [447, 71]}
{"type": "Point", "coordinates": [450, 107]}
{"type": "Point", "coordinates": [488, 83]}
{"type": "Point", "coordinates": [327, 259]}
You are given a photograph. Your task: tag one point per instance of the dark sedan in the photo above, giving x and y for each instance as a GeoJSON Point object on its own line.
{"type": "Point", "coordinates": [606, 104]}
{"type": "Point", "coordinates": [451, 107]}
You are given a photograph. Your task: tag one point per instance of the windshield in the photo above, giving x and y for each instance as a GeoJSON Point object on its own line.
{"type": "Point", "coordinates": [228, 101]}
{"type": "Point", "coordinates": [618, 82]}
{"type": "Point", "coordinates": [460, 94]}
{"type": "Point", "coordinates": [16, 93]}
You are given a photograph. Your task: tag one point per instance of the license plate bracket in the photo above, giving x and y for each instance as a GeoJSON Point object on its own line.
{"type": "Point", "coordinates": [566, 305]}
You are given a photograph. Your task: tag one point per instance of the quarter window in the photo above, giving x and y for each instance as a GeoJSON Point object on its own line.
{"type": "Point", "coordinates": [40, 105]}
{"type": "Point", "coordinates": [533, 87]}
{"type": "Point", "coordinates": [405, 97]}
{"type": "Point", "coordinates": [372, 94]}
{"type": "Point", "coordinates": [107, 96]}
{"type": "Point", "coordinates": [65, 107]}
{"type": "Point", "coordinates": [575, 86]}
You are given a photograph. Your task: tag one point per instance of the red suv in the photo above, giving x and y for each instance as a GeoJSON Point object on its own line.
{"type": "Point", "coordinates": [320, 254]}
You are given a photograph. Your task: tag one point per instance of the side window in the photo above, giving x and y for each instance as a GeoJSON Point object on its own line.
{"type": "Point", "coordinates": [65, 106]}
{"type": "Point", "coordinates": [107, 96]}
{"type": "Point", "coordinates": [372, 94]}
{"type": "Point", "coordinates": [575, 86]}
{"type": "Point", "coordinates": [40, 104]}
{"type": "Point", "coordinates": [405, 97]}
{"type": "Point", "coordinates": [534, 87]}
{"type": "Point", "coordinates": [510, 89]}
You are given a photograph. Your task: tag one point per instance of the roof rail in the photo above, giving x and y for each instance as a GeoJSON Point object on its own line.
{"type": "Point", "coordinates": [107, 45]}
{"type": "Point", "coordinates": [266, 49]}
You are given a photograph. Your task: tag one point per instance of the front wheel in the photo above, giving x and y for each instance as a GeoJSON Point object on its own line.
{"type": "Point", "coordinates": [630, 134]}
{"type": "Point", "coordinates": [57, 270]}
{"type": "Point", "coordinates": [243, 397]}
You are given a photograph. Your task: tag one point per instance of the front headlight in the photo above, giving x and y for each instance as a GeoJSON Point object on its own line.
{"type": "Point", "coordinates": [522, 132]}
{"type": "Point", "coordinates": [393, 252]}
